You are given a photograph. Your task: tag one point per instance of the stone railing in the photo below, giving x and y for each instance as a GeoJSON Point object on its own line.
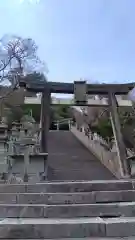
{"type": "Point", "coordinates": [97, 137]}
{"type": "Point", "coordinates": [99, 147]}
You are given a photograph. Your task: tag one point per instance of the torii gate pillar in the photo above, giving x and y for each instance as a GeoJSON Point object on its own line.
{"type": "Point", "coordinates": [121, 149]}
{"type": "Point", "coordinates": [45, 115]}
{"type": "Point", "coordinates": [45, 122]}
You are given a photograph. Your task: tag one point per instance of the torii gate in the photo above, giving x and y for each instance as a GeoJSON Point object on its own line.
{"type": "Point", "coordinates": [81, 90]}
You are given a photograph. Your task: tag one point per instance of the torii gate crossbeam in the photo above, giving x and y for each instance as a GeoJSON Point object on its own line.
{"type": "Point", "coordinates": [68, 88]}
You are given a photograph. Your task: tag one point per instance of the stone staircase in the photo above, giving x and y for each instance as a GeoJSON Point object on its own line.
{"type": "Point", "coordinates": [69, 159]}
{"type": "Point", "coordinates": [68, 210]}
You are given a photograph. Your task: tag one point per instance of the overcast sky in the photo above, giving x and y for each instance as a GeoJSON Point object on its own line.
{"type": "Point", "coordinates": [92, 39]}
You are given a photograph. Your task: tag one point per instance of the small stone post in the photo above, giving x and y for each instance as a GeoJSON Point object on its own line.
{"type": "Point", "coordinates": [26, 163]}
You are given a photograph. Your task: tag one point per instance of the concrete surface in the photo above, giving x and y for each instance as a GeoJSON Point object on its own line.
{"type": "Point", "coordinates": [109, 210]}
{"type": "Point", "coordinates": [69, 209]}
{"type": "Point", "coordinates": [68, 198]}
{"type": "Point", "coordinates": [77, 212]}
{"type": "Point", "coordinates": [68, 186]}
{"type": "Point", "coordinates": [91, 238]}
{"type": "Point", "coordinates": [70, 160]}
{"type": "Point", "coordinates": [70, 228]}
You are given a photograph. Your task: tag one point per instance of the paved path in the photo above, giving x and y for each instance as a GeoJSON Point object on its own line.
{"type": "Point", "coordinates": [70, 160]}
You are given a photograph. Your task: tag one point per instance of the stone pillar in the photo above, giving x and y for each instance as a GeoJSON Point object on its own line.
{"type": "Point", "coordinates": [45, 114]}
{"type": "Point", "coordinates": [10, 152]}
{"type": "Point", "coordinates": [26, 163]}
{"type": "Point", "coordinates": [45, 124]}
{"type": "Point", "coordinates": [121, 149]}
{"type": "Point", "coordinates": [57, 124]}
{"type": "Point", "coordinates": [3, 156]}
{"type": "Point", "coordinates": [3, 149]}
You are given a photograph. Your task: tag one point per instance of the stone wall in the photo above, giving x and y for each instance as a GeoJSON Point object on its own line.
{"type": "Point", "coordinates": [108, 158]}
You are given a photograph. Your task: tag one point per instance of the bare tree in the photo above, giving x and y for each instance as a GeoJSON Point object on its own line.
{"type": "Point", "coordinates": [18, 56]}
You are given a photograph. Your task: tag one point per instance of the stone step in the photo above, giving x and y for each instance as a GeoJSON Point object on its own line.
{"type": "Point", "coordinates": [81, 186]}
{"type": "Point", "coordinates": [91, 238]}
{"type": "Point", "coordinates": [66, 228]}
{"type": "Point", "coordinates": [67, 211]}
{"type": "Point", "coordinates": [68, 198]}
{"type": "Point", "coordinates": [76, 186]}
